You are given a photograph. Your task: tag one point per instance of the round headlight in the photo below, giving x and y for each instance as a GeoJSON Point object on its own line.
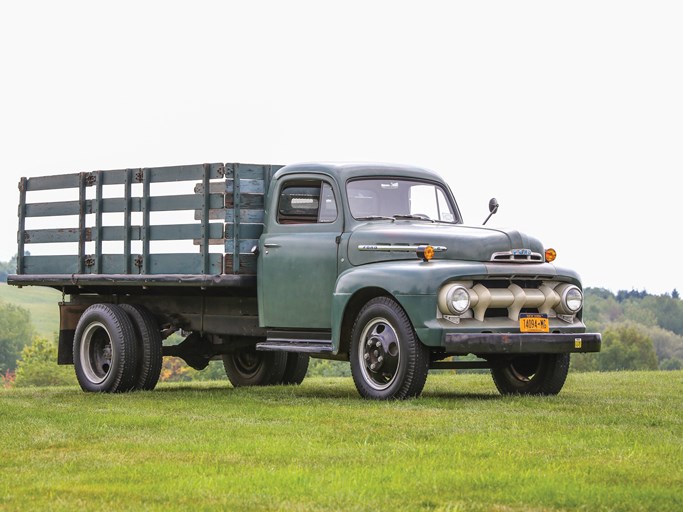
{"type": "Point", "coordinates": [572, 299]}
{"type": "Point", "coordinates": [458, 300]}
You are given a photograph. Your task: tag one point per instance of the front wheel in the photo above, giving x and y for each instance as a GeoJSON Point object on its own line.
{"type": "Point", "coordinates": [536, 374]}
{"type": "Point", "coordinates": [387, 359]}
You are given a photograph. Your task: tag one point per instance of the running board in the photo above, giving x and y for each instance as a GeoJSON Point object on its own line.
{"type": "Point", "coordinates": [308, 348]}
{"type": "Point", "coordinates": [290, 341]}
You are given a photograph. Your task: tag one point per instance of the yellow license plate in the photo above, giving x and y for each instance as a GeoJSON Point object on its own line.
{"type": "Point", "coordinates": [530, 322]}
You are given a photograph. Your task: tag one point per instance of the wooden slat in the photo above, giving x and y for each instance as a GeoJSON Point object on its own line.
{"type": "Point", "coordinates": [21, 232]}
{"type": "Point", "coordinates": [248, 201]}
{"type": "Point", "coordinates": [113, 233]}
{"type": "Point", "coordinates": [246, 186]}
{"type": "Point", "coordinates": [214, 214]}
{"type": "Point", "coordinates": [53, 182]}
{"type": "Point", "coordinates": [54, 209]}
{"type": "Point", "coordinates": [237, 208]}
{"type": "Point", "coordinates": [247, 264]}
{"type": "Point", "coordinates": [217, 187]}
{"type": "Point", "coordinates": [212, 241]}
{"type": "Point", "coordinates": [184, 172]}
{"type": "Point", "coordinates": [81, 222]}
{"type": "Point", "coordinates": [116, 264]}
{"type": "Point", "coordinates": [183, 202]}
{"type": "Point", "coordinates": [245, 246]}
{"type": "Point", "coordinates": [127, 220]}
{"type": "Point", "coordinates": [118, 205]}
{"type": "Point", "coordinates": [164, 174]}
{"type": "Point", "coordinates": [184, 231]}
{"type": "Point", "coordinates": [118, 176]}
{"type": "Point", "coordinates": [248, 216]}
{"type": "Point", "coordinates": [205, 233]}
{"type": "Point", "coordinates": [144, 230]}
{"type": "Point", "coordinates": [156, 204]}
{"type": "Point", "coordinates": [246, 230]}
{"type": "Point", "coordinates": [99, 185]}
{"type": "Point", "coordinates": [252, 171]}
{"type": "Point", "coordinates": [48, 236]}
{"type": "Point", "coordinates": [51, 264]}
{"type": "Point", "coordinates": [184, 263]}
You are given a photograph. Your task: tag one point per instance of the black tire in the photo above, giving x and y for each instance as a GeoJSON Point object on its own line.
{"type": "Point", "coordinates": [295, 369]}
{"type": "Point", "coordinates": [388, 361]}
{"type": "Point", "coordinates": [249, 367]}
{"type": "Point", "coordinates": [535, 374]}
{"type": "Point", "coordinates": [105, 350]}
{"type": "Point", "coordinates": [148, 336]}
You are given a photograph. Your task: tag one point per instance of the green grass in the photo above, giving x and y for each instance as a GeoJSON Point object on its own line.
{"type": "Point", "coordinates": [41, 303]}
{"type": "Point", "coordinates": [607, 442]}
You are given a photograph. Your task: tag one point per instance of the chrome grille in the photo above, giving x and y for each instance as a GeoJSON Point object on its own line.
{"type": "Point", "coordinates": [508, 298]}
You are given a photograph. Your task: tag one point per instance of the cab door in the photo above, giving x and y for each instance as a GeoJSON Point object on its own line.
{"type": "Point", "coordinates": [297, 263]}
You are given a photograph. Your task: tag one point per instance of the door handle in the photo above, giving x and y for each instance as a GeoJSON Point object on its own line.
{"type": "Point", "coordinates": [271, 246]}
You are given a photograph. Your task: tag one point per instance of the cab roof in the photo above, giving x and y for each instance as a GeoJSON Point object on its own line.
{"type": "Point", "coordinates": [343, 171]}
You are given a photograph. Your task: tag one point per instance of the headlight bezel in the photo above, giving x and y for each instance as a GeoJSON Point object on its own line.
{"type": "Point", "coordinates": [570, 294]}
{"type": "Point", "coordinates": [463, 297]}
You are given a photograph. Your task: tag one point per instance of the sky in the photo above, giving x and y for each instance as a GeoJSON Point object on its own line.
{"type": "Point", "coordinates": [569, 113]}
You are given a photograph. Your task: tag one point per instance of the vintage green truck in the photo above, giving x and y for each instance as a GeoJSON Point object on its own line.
{"type": "Point", "coordinates": [367, 263]}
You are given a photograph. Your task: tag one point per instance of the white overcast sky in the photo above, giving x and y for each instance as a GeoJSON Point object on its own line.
{"type": "Point", "coordinates": [569, 113]}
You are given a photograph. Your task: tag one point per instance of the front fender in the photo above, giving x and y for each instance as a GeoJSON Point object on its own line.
{"type": "Point", "coordinates": [414, 285]}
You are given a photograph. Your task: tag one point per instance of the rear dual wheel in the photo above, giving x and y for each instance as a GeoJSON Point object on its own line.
{"type": "Point", "coordinates": [117, 349]}
{"type": "Point", "coordinates": [148, 335]}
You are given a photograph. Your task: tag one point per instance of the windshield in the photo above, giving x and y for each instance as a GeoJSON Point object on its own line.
{"type": "Point", "coordinates": [399, 198]}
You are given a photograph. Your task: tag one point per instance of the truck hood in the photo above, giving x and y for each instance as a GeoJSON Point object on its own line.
{"type": "Point", "coordinates": [383, 241]}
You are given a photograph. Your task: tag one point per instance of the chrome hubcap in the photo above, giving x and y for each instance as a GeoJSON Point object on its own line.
{"type": "Point", "coordinates": [379, 354]}
{"type": "Point", "coordinates": [96, 352]}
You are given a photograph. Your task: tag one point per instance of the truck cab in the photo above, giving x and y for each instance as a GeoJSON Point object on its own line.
{"type": "Point", "coordinates": [344, 241]}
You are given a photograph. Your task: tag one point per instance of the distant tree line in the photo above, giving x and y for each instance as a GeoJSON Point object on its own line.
{"type": "Point", "coordinates": [640, 332]}
{"type": "Point", "coordinates": [7, 268]}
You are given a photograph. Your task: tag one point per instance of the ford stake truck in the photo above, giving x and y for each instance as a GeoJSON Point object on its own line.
{"type": "Point", "coordinates": [365, 263]}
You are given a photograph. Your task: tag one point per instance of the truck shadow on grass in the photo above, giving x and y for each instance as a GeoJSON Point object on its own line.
{"type": "Point", "coordinates": [309, 392]}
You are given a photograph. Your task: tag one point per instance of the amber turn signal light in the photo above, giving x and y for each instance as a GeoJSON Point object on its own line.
{"type": "Point", "coordinates": [425, 252]}
{"type": "Point", "coordinates": [550, 255]}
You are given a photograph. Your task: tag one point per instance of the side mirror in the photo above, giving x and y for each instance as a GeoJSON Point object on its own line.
{"type": "Point", "coordinates": [493, 209]}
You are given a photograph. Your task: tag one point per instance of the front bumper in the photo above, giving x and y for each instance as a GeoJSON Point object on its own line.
{"type": "Point", "coordinates": [515, 343]}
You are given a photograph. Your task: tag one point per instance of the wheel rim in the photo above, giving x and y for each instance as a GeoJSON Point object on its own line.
{"type": "Point", "coordinates": [96, 353]}
{"type": "Point", "coordinates": [524, 369]}
{"type": "Point", "coordinates": [380, 354]}
{"type": "Point", "coordinates": [247, 363]}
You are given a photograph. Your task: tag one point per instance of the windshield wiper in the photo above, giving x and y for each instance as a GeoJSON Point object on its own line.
{"type": "Point", "coordinates": [414, 217]}
{"type": "Point", "coordinates": [375, 217]}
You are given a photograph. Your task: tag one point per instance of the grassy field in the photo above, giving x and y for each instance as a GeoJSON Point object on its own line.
{"type": "Point", "coordinates": [41, 302]}
{"type": "Point", "coordinates": [607, 442]}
